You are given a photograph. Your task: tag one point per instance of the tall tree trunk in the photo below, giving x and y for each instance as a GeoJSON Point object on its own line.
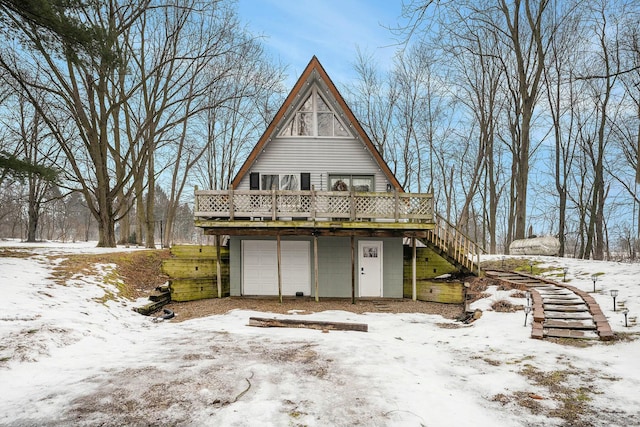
{"type": "Point", "coordinates": [150, 205]}
{"type": "Point", "coordinates": [33, 211]}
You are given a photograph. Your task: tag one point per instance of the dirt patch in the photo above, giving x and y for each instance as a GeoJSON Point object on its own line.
{"type": "Point", "coordinates": [138, 273]}
{"type": "Point", "coordinates": [208, 307]}
{"type": "Point", "coordinates": [504, 306]}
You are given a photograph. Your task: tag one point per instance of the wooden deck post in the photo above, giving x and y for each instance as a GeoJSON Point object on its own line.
{"type": "Point", "coordinates": [231, 204]}
{"type": "Point", "coordinates": [396, 213]}
{"type": "Point", "coordinates": [315, 264]}
{"type": "Point", "coordinates": [352, 204]}
{"type": "Point", "coordinates": [279, 268]}
{"type": "Point", "coordinates": [312, 203]}
{"type": "Point", "coordinates": [274, 202]}
{"type": "Point", "coordinates": [353, 271]}
{"type": "Point", "coordinates": [218, 266]}
{"type": "Point", "coordinates": [414, 292]}
{"type": "Point", "coordinates": [196, 205]}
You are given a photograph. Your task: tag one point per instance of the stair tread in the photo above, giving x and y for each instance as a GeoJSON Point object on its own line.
{"type": "Point", "coordinates": [586, 324]}
{"type": "Point", "coordinates": [565, 308]}
{"type": "Point", "coordinates": [560, 315]}
{"type": "Point", "coordinates": [562, 302]}
{"type": "Point", "coordinates": [569, 333]}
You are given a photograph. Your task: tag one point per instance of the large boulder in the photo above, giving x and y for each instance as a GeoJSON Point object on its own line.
{"type": "Point", "coordinates": [545, 245]}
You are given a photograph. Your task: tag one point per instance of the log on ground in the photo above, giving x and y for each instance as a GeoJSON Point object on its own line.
{"type": "Point", "coordinates": [310, 324]}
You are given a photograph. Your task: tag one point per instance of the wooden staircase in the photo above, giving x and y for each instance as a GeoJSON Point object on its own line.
{"type": "Point", "coordinates": [453, 245]}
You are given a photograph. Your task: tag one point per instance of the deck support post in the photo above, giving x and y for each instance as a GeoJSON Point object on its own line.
{"type": "Point", "coordinates": [414, 293]}
{"type": "Point", "coordinates": [279, 268]}
{"type": "Point", "coordinates": [315, 265]}
{"type": "Point", "coordinates": [353, 271]}
{"type": "Point", "coordinates": [218, 266]}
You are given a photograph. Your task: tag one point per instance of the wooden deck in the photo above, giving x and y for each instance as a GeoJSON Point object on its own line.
{"type": "Point", "coordinates": [313, 210]}
{"type": "Point", "coordinates": [333, 213]}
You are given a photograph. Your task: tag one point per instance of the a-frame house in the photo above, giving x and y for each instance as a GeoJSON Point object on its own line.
{"type": "Point", "coordinates": [315, 210]}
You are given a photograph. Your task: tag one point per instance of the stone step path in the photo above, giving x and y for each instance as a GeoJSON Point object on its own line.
{"type": "Point", "coordinates": [559, 310]}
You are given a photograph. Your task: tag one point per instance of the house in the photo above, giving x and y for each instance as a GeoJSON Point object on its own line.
{"type": "Point", "coordinates": [315, 210]}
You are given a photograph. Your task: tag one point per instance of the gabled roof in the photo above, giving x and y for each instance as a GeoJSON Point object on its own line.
{"type": "Point", "coordinates": [314, 65]}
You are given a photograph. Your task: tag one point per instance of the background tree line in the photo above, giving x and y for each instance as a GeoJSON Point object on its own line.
{"type": "Point", "coordinates": [521, 116]}
{"type": "Point", "coordinates": [127, 97]}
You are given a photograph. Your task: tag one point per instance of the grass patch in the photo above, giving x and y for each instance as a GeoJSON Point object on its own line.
{"type": "Point", "coordinates": [516, 264]}
{"type": "Point", "coordinates": [623, 337]}
{"type": "Point", "coordinates": [523, 359]}
{"type": "Point", "coordinates": [9, 253]}
{"type": "Point", "coordinates": [135, 274]}
{"type": "Point", "coordinates": [572, 403]}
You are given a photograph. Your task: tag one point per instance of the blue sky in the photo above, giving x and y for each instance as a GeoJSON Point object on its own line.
{"type": "Point", "coordinates": [295, 30]}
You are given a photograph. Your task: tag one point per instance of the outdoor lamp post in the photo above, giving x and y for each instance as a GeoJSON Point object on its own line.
{"type": "Point", "coordinates": [595, 279]}
{"type": "Point", "coordinates": [528, 295]}
{"type": "Point", "coordinates": [527, 310]}
{"type": "Point", "coordinates": [614, 294]}
{"type": "Point", "coordinates": [565, 270]}
{"type": "Point", "coordinates": [531, 266]}
{"type": "Point", "coordinates": [625, 312]}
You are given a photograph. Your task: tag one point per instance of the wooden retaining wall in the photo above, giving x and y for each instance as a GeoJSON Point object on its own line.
{"type": "Point", "coordinates": [430, 265]}
{"type": "Point", "coordinates": [193, 272]}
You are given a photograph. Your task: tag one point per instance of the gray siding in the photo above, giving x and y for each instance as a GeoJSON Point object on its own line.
{"type": "Point", "coordinates": [392, 268]}
{"type": "Point", "coordinates": [319, 157]}
{"type": "Point", "coordinates": [334, 265]}
{"type": "Point", "coordinates": [235, 266]}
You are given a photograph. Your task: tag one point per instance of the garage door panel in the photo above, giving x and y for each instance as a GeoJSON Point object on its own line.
{"type": "Point", "coordinates": [295, 268]}
{"type": "Point", "coordinates": [260, 267]}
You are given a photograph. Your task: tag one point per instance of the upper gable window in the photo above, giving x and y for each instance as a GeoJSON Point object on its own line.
{"type": "Point", "coordinates": [314, 118]}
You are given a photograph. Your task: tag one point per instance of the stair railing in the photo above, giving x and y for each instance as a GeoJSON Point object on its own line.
{"type": "Point", "coordinates": [455, 244]}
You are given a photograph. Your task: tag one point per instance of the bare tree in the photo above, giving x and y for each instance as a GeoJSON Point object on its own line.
{"type": "Point", "coordinates": [61, 82]}
{"type": "Point", "coordinates": [373, 98]}
{"type": "Point", "coordinates": [561, 96]}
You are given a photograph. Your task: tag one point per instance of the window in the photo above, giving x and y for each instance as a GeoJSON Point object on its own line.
{"type": "Point", "coordinates": [360, 183]}
{"type": "Point", "coordinates": [315, 118]}
{"type": "Point", "coordinates": [289, 182]}
{"type": "Point", "coordinates": [280, 182]}
{"type": "Point", "coordinates": [269, 182]}
{"type": "Point", "coordinates": [370, 251]}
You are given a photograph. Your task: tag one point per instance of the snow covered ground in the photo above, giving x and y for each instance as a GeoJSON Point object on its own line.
{"type": "Point", "coordinates": [67, 358]}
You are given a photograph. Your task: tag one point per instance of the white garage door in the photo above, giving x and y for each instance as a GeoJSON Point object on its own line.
{"type": "Point", "coordinates": [260, 267]}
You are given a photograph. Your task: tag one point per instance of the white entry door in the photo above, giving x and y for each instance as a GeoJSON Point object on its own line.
{"type": "Point", "coordinates": [370, 268]}
{"type": "Point", "coordinates": [260, 267]}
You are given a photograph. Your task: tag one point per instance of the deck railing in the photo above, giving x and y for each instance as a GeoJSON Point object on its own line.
{"type": "Point", "coordinates": [313, 205]}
